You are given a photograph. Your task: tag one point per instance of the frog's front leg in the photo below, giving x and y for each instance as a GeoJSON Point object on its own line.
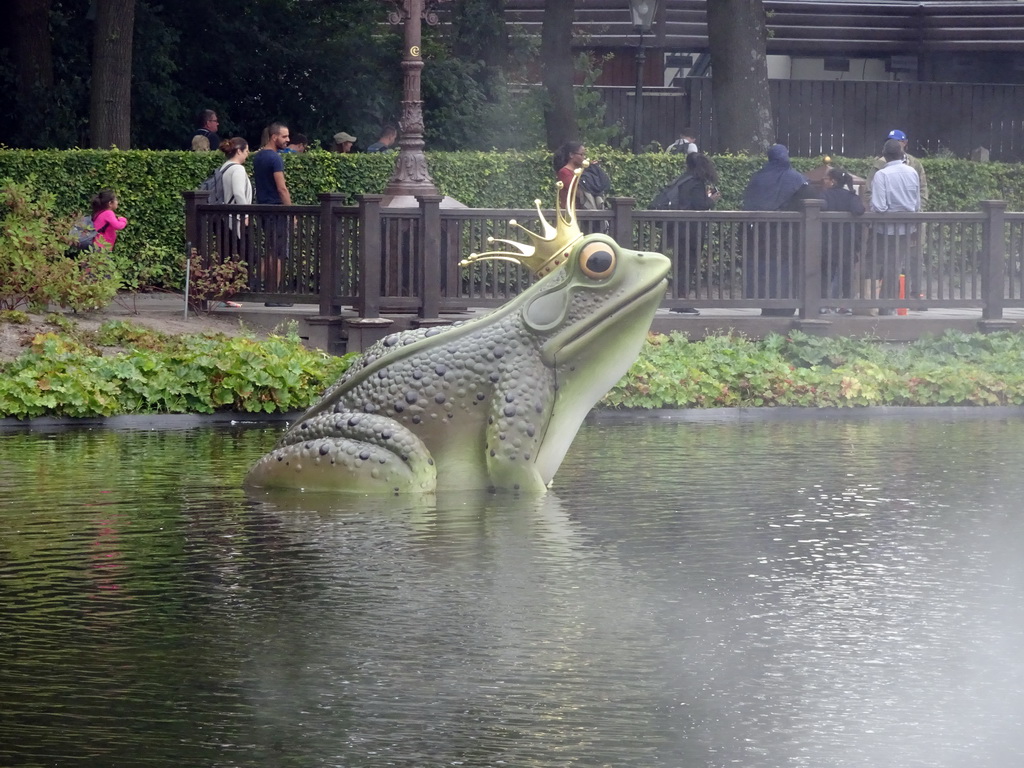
{"type": "Point", "coordinates": [348, 451]}
{"type": "Point", "coordinates": [514, 435]}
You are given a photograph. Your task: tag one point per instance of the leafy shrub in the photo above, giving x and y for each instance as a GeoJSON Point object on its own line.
{"type": "Point", "coordinates": [65, 376]}
{"type": "Point", "coordinates": [216, 281]}
{"type": "Point", "coordinates": [14, 317]}
{"type": "Point", "coordinates": [150, 267]}
{"type": "Point", "coordinates": [35, 268]}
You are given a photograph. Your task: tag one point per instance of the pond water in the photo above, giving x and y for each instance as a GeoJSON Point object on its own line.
{"type": "Point", "coordinates": [814, 593]}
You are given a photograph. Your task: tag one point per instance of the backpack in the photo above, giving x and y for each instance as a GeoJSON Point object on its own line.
{"type": "Point", "coordinates": [668, 199]}
{"type": "Point", "coordinates": [214, 184]}
{"type": "Point", "coordinates": [594, 187]}
{"type": "Point", "coordinates": [83, 234]}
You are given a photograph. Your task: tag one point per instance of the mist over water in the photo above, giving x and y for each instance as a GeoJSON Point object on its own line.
{"type": "Point", "coordinates": [822, 593]}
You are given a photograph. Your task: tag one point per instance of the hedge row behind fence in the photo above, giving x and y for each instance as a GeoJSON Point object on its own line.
{"type": "Point", "coordinates": [149, 183]}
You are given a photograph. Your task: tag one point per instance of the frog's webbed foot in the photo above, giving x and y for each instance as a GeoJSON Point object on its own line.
{"type": "Point", "coordinates": [348, 451]}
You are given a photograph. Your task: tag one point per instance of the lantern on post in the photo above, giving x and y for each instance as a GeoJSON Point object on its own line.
{"type": "Point", "coordinates": [643, 18]}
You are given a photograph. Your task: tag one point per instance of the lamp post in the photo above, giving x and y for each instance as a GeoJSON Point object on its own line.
{"type": "Point", "coordinates": [643, 18]}
{"type": "Point", "coordinates": [411, 176]}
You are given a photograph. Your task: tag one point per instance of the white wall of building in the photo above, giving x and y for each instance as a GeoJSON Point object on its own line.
{"type": "Point", "coordinates": [808, 68]}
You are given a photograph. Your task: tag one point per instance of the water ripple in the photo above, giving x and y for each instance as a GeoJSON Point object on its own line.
{"type": "Point", "coordinates": [813, 595]}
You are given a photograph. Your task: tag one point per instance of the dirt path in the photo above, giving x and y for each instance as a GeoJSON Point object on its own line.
{"type": "Point", "coordinates": [161, 312]}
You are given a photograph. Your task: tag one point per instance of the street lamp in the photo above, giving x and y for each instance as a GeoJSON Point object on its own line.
{"type": "Point", "coordinates": [411, 177]}
{"type": "Point", "coordinates": [643, 18]}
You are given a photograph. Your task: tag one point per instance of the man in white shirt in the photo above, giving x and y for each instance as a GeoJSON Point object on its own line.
{"type": "Point", "coordinates": [915, 277]}
{"type": "Point", "coordinates": [896, 188]}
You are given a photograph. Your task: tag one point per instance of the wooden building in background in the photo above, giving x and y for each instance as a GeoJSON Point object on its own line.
{"type": "Point", "coordinates": [950, 74]}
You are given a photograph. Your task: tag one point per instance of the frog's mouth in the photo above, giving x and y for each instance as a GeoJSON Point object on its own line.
{"type": "Point", "coordinates": [589, 357]}
{"type": "Point", "coordinates": [634, 307]}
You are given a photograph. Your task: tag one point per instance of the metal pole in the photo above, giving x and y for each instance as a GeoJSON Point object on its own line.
{"type": "Point", "coordinates": [188, 273]}
{"type": "Point", "coordinates": [638, 93]}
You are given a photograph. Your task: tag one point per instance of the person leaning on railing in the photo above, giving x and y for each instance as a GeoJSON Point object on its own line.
{"type": "Point", "coordinates": [896, 189]}
{"type": "Point", "coordinates": [839, 244]}
{"type": "Point", "coordinates": [776, 187]}
{"type": "Point", "coordinates": [916, 266]}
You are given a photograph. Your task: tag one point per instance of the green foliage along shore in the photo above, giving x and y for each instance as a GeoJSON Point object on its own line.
{"type": "Point", "coordinates": [802, 370]}
{"type": "Point", "coordinates": [126, 369]}
{"type": "Point", "coordinates": [149, 184]}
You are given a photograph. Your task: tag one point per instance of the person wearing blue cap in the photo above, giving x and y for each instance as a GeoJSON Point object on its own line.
{"type": "Point", "coordinates": [909, 159]}
{"type": "Point", "coordinates": [915, 266]}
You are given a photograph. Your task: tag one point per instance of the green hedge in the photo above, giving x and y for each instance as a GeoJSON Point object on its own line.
{"type": "Point", "coordinates": [149, 183]}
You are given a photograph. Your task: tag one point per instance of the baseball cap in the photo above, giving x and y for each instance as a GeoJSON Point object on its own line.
{"type": "Point", "coordinates": [342, 136]}
{"type": "Point", "coordinates": [897, 134]}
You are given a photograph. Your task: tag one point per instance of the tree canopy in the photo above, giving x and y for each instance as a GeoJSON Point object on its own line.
{"type": "Point", "coordinates": [137, 73]}
{"type": "Point", "coordinates": [322, 66]}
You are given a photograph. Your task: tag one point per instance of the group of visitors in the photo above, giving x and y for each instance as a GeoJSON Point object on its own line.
{"type": "Point", "coordinates": [269, 185]}
{"type": "Point", "coordinates": [206, 139]}
{"type": "Point", "coordinates": [897, 184]}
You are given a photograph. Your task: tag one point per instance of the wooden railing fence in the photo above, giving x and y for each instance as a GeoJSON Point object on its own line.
{"type": "Point", "coordinates": [375, 259]}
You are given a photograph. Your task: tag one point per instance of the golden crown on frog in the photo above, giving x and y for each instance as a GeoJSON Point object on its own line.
{"type": "Point", "coordinates": [549, 249]}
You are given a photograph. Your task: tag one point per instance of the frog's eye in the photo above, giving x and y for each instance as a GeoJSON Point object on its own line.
{"type": "Point", "coordinates": [597, 260]}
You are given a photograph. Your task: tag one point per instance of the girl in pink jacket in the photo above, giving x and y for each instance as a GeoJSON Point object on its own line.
{"type": "Point", "coordinates": [106, 223]}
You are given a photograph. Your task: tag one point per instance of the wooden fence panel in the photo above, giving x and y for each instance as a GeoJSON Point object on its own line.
{"type": "Point", "coordinates": [849, 118]}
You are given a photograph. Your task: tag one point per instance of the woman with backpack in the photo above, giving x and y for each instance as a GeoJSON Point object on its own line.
{"type": "Point", "coordinates": [106, 223]}
{"type": "Point", "coordinates": [694, 190]}
{"type": "Point", "coordinates": [237, 186]}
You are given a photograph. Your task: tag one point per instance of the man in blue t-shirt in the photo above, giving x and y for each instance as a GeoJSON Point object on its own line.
{"type": "Point", "coordinates": [268, 168]}
{"type": "Point", "coordinates": [386, 141]}
{"type": "Point", "coordinates": [271, 189]}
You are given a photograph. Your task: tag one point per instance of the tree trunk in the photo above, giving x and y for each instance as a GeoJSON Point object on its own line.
{"type": "Point", "coordinates": [737, 37]}
{"type": "Point", "coordinates": [557, 73]}
{"type": "Point", "coordinates": [110, 108]}
{"type": "Point", "coordinates": [33, 52]}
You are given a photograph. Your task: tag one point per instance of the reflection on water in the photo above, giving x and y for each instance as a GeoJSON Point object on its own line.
{"type": "Point", "coordinates": [809, 594]}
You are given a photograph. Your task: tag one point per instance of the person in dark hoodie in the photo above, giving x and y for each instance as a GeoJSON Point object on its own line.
{"type": "Point", "coordinates": [777, 186]}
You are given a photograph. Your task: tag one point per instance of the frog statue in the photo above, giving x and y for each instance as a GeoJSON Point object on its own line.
{"type": "Point", "coordinates": [488, 403]}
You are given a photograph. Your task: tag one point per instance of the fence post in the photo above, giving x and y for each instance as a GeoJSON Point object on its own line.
{"type": "Point", "coordinates": [993, 259]}
{"type": "Point", "coordinates": [430, 255]}
{"type": "Point", "coordinates": [193, 197]}
{"type": "Point", "coordinates": [369, 255]}
{"type": "Point", "coordinates": [810, 295]}
{"type": "Point", "coordinates": [622, 221]}
{"type": "Point", "coordinates": [330, 264]}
